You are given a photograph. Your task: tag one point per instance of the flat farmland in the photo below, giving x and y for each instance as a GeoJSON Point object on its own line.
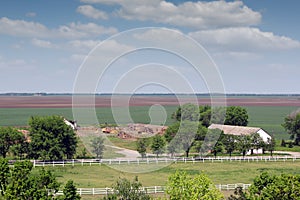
{"type": "Point", "coordinates": [267, 112]}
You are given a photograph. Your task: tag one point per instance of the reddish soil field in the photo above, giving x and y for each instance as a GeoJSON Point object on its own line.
{"type": "Point", "coordinates": [105, 101]}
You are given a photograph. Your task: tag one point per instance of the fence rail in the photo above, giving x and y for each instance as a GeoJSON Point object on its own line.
{"type": "Point", "coordinates": [148, 190]}
{"type": "Point", "coordinates": [89, 162]}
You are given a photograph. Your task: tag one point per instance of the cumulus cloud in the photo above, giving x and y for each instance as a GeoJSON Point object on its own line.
{"type": "Point", "coordinates": [84, 44]}
{"type": "Point", "coordinates": [197, 15]}
{"type": "Point", "coordinates": [244, 38]}
{"type": "Point", "coordinates": [90, 11]}
{"type": "Point", "coordinates": [42, 43]}
{"type": "Point", "coordinates": [22, 28]}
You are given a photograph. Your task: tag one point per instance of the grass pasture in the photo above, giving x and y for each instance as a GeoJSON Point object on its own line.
{"type": "Point", "coordinates": [220, 173]}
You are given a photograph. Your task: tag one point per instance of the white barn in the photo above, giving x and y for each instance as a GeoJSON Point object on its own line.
{"type": "Point", "coordinates": [243, 130]}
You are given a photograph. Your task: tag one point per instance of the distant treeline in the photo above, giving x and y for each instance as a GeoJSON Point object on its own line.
{"type": "Point", "coordinates": [151, 94]}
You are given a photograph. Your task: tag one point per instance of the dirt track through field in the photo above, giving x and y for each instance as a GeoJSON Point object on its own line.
{"type": "Point", "coordinates": [105, 101]}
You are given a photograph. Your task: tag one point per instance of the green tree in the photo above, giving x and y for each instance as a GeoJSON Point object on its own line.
{"type": "Point", "coordinates": [4, 175]}
{"type": "Point", "coordinates": [142, 145]}
{"type": "Point", "coordinates": [181, 186]}
{"type": "Point", "coordinates": [292, 125]}
{"type": "Point", "coordinates": [266, 186]}
{"type": "Point", "coordinates": [51, 138]}
{"type": "Point", "coordinates": [8, 138]}
{"type": "Point", "coordinates": [236, 115]}
{"type": "Point", "coordinates": [70, 192]}
{"type": "Point", "coordinates": [270, 145]}
{"type": "Point", "coordinates": [98, 146]}
{"type": "Point", "coordinates": [186, 135]}
{"type": "Point", "coordinates": [158, 144]}
{"type": "Point", "coordinates": [229, 142]}
{"type": "Point", "coordinates": [257, 142]}
{"type": "Point", "coordinates": [244, 143]}
{"type": "Point", "coordinates": [171, 131]}
{"type": "Point", "coordinates": [23, 184]}
{"type": "Point", "coordinates": [188, 112]}
{"type": "Point", "coordinates": [125, 190]}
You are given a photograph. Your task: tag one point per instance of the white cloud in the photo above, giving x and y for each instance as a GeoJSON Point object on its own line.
{"type": "Point", "coordinates": [91, 12]}
{"type": "Point", "coordinates": [197, 15]}
{"type": "Point", "coordinates": [42, 43]}
{"type": "Point", "coordinates": [244, 38]}
{"type": "Point", "coordinates": [22, 28]}
{"type": "Point", "coordinates": [84, 44]}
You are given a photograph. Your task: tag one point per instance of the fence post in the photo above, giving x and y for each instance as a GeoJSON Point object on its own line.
{"type": "Point", "coordinates": [81, 162]}
{"type": "Point", "coordinates": [53, 163]}
{"type": "Point", "coordinates": [154, 189]}
{"type": "Point", "coordinates": [73, 162]}
{"type": "Point", "coordinates": [33, 163]}
{"type": "Point", "coordinates": [93, 191]}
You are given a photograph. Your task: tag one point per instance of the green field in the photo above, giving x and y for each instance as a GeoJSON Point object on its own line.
{"type": "Point", "coordinates": [220, 173]}
{"type": "Point", "coordinates": [269, 118]}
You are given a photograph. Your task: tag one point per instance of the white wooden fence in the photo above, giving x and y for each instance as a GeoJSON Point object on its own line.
{"type": "Point", "coordinates": [89, 162]}
{"type": "Point", "coordinates": [148, 190]}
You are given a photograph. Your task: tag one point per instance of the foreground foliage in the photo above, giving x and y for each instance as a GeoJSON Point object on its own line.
{"type": "Point", "coordinates": [19, 182]}
{"type": "Point", "coordinates": [266, 186]}
{"type": "Point", "coordinates": [126, 190]}
{"type": "Point", "coordinates": [181, 186]}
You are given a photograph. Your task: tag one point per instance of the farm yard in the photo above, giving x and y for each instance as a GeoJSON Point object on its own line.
{"type": "Point", "coordinates": [266, 112]}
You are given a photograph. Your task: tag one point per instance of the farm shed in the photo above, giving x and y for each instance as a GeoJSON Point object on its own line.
{"type": "Point", "coordinates": [243, 130]}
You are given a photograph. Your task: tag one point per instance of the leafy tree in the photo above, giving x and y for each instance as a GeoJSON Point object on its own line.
{"type": "Point", "coordinates": [270, 145]}
{"type": "Point", "coordinates": [181, 186]}
{"type": "Point", "coordinates": [257, 142]}
{"type": "Point", "coordinates": [22, 184]}
{"type": "Point", "coordinates": [172, 131]}
{"type": "Point", "coordinates": [213, 141]}
{"type": "Point", "coordinates": [186, 135]}
{"type": "Point", "coordinates": [98, 146]}
{"type": "Point", "coordinates": [4, 175]}
{"type": "Point", "coordinates": [173, 147]}
{"type": "Point", "coordinates": [236, 115]}
{"type": "Point", "coordinates": [266, 186]}
{"type": "Point", "coordinates": [158, 144]}
{"type": "Point", "coordinates": [142, 145]}
{"type": "Point", "coordinates": [70, 192]}
{"type": "Point", "coordinates": [125, 190]}
{"type": "Point", "coordinates": [51, 138]}
{"type": "Point", "coordinates": [292, 125]}
{"type": "Point", "coordinates": [188, 112]}
{"type": "Point", "coordinates": [8, 138]}
{"type": "Point", "coordinates": [244, 143]}
{"type": "Point", "coordinates": [229, 142]}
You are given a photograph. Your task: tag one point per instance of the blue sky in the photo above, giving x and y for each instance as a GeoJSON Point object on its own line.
{"type": "Point", "coordinates": [255, 44]}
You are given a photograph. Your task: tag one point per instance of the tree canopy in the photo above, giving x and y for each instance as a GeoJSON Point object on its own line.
{"type": "Point", "coordinates": [9, 138]}
{"type": "Point", "coordinates": [98, 146]}
{"type": "Point", "coordinates": [292, 125]}
{"type": "Point", "coordinates": [181, 186]}
{"type": "Point", "coordinates": [51, 138]}
{"type": "Point", "coordinates": [19, 182]}
{"type": "Point", "coordinates": [266, 186]}
{"type": "Point", "coordinates": [232, 115]}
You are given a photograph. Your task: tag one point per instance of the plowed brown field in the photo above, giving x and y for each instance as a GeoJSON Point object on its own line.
{"type": "Point", "coordinates": [105, 101]}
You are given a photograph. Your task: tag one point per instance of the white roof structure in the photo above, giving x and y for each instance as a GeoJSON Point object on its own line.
{"type": "Point", "coordinates": [241, 130]}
